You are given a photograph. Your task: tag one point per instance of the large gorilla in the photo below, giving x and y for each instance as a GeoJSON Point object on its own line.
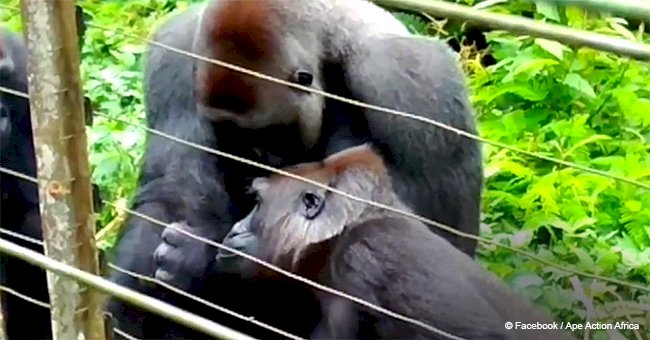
{"type": "Point", "coordinates": [351, 48]}
{"type": "Point", "coordinates": [19, 205]}
{"type": "Point", "coordinates": [19, 210]}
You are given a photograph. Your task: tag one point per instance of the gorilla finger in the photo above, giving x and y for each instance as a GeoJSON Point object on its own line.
{"type": "Point", "coordinates": [164, 276]}
{"type": "Point", "coordinates": [174, 237]}
{"type": "Point", "coordinates": [161, 255]}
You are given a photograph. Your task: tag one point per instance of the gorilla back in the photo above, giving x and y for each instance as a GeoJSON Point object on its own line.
{"type": "Point", "coordinates": [351, 48]}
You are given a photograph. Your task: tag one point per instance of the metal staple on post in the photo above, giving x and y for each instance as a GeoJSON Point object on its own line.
{"type": "Point", "coordinates": [65, 193]}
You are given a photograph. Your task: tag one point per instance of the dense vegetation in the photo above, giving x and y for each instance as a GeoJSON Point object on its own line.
{"type": "Point", "coordinates": [578, 105]}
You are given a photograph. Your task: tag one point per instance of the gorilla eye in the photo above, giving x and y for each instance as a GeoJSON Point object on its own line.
{"type": "Point", "coordinates": [312, 205]}
{"type": "Point", "coordinates": [303, 78]}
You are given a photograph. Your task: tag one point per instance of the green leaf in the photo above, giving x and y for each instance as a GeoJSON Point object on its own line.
{"type": "Point", "coordinates": [533, 67]}
{"type": "Point", "coordinates": [553, 47]}
{"type": "Point", "coordinates": [621, 30]}
{"type": "Point", "coordinates": [584, 258]}
{"type": "Point", "coordinates": [575, 16]}
{"type": "Point", "coordinates": [548, 10]}
{"type": "Point", "coordinates": [634, 206]}
{"type": "Point", "coordinates": [590, 139]}
{"type": "Point", "coordinates": [576, 82]}
{"type": "Point", "coordinates": [527, 280]}
{"type": "Point", "coordinates": [521, 238]}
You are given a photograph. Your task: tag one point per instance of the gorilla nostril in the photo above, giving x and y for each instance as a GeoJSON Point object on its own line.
{"type": "Point", "coordinates": [230, 103]}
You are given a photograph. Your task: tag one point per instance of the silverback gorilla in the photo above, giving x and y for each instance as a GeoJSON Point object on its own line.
{"type": "Point", "coordinates": [374, 254]}
{"type": "Point", "coordinates": [351, 48]}
{"type": "Point", "coordinates": [19, 205]}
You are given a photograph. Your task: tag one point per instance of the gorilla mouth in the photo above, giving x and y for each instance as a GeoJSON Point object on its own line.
{"type": "Point", "coordinates": [224, 254]}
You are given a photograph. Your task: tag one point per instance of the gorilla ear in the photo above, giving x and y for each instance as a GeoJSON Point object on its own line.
{"type": "Point", "coordinates": [260, 184]}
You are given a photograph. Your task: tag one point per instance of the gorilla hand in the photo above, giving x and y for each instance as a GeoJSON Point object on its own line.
{"type": "Point", "coordinates": [181, 259]}
{"type": "Point", "coordinates": [242, 239]}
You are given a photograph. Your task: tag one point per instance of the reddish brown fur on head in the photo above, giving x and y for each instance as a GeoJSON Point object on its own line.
{"type": "Point", "coordinates": [362, 157]}
{"type": "Point", "coordinates": [260, 36]}
{"type": "Point", "coordinates": [243, 26]}
{"type": "Point", "coordinates": [240, 32]}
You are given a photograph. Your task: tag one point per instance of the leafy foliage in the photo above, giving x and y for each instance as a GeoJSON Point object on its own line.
{"type": "Point", "coordinates": [574, 104]}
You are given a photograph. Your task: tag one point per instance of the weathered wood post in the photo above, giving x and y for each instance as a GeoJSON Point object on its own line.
{"type": "Point", "coordinates": [63, 171]}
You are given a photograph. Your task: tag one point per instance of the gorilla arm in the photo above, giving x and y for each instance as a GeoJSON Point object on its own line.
{"type": "Point", "coordinates": [436, 172]}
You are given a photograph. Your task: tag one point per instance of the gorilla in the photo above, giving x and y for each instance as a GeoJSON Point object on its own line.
{"type": "Point", "coordinates": [351, 246]}
{"type": "Point", "coordinates": [19, 204]}
{"type": "Point", "coordinates": [351, 48]}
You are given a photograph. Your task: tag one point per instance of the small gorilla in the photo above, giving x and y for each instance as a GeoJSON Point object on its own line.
{"type": "Point", "coordinates": [374, 254]}
{"type": "Point", "coordinates": [19, 201]}
{"type": "Point", "coordinates": [351, 48]}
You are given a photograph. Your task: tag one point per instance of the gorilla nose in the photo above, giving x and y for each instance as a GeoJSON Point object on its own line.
{"type": "Point", "coordinates": [230, 103]}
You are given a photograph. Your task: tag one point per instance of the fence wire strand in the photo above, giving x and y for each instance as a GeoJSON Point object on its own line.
{"type": "Point", "coordinates": [430, 222]}
{"type": "Point", "coordinates": [204, 302]}
{"type": "Point", "coordinates": [166, 285]}
{"type": "Point", "coordinates": [47, 305]}
{"type": "Point", "coordinates": [315, 284]}
{"type": "Point", "coordinates": [311, 283]}
{"type": "Point", "coordinates": [382, 206]}
{"type": "Point", "coordinates": [379, 205]}
{"type": "Point", "coordinates": [270, 266]}
{"type": "Point", "coordinates": [361, 104]}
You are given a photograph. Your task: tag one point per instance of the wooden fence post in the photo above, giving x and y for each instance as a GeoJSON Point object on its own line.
{"type": "Point", "coordinates": [68, 222]}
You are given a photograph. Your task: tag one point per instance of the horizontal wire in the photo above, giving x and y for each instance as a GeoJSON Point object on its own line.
{"type": "Point", "coordinates": [270, 266]}
{"type": "Point", "coordinates": [291, 275]}
{"type": "Point", "coordinates": [639, 307]}
{"type": "Point", "coordinates": [24, 297]}
{"type": "Point", "coordinates": [172, 288]}
{"type": "Point", "coordinates": [382, 206]}
{"type": "Point", "coordinates": [124, 334]}
{"type": "Point", "coordinates": [422, 219]}
{"type": "Point", "coordinates": [375, 204]}
{"type": "Point", "coordinates": [47, 306]}
{"type": "Point", "coordinates": [205, 302]}
{"type": "Point", "coordinates": [369, 202]}
{"type": "Point", "coordinates": [361, 104]}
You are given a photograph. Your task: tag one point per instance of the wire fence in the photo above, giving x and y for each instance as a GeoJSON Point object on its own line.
{"type": "Point", "coordinates": [212, 243]}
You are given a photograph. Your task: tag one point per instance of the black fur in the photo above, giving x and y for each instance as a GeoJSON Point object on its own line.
{"type": "Point", "coordinates": [438, 173]}
{"type": "Point", "coordinates": [427, 279]}
{"type": "Point", "coordinates": [19, 205]}
{"type": "Point", "coordinates": [19, 211]}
